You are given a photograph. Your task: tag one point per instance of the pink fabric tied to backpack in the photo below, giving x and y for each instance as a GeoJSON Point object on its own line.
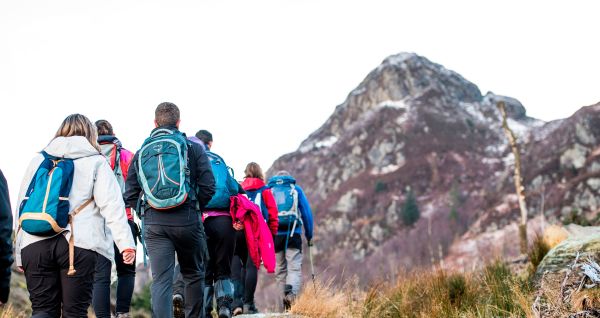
{"type": "Point", "coordinates": [258, 236]}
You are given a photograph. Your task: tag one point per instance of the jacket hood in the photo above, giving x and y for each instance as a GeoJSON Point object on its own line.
{"type": "Point", "coordinates": [109, 139]}
{"type": "Point", "coordinates": [252, 183]}
{"type": "Point", "coordinates": [73, 147]}
{"type": "Point", "coordinates": [198, 141]}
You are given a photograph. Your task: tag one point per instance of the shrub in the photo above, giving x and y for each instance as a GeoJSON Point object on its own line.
{"type": "Point", "coordinates": [380, 187]}
{"type": "Point", "coordinates": [538, 249]}
{"type": "Point", "coordinates": [141, 300]}
{"type": "Point", "coordinates": [410, 209]}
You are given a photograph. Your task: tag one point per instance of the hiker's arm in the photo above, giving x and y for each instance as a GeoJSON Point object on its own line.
{"type": "Point", "coordinates": [132, 186]}
{"type": "Point", "coordinates": [5, 240]}
{"type": "Point", "coordinates": [272, 209]}
{"type": "Point", "coordinates": [205, 180]}
{"type": "Point", "coordinates": [305, 211]}
{"type": "Point", "coordinates": [107, 196]}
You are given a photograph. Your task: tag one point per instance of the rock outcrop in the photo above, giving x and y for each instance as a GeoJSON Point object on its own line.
{"type": "Point", "coordinates": [583, 242]}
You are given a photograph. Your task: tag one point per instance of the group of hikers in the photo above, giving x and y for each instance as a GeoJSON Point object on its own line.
{"type": "Point", "coordinates": [204, 234]}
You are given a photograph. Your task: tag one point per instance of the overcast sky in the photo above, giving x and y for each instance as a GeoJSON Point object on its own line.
{"type": "Point", "coordinates": [242, 68]}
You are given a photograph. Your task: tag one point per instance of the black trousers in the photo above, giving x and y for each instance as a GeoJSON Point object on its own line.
{"type": "Point", "coordinates": [125, 282]}
{"type": "Point", "coordinates": [220, 238]}
{"type": "Point", "coordinates": [162, 242]}
{"type": "Point", "coordinates": [243, 273]}
{"type": "Point", "coordinates": [46, 264]}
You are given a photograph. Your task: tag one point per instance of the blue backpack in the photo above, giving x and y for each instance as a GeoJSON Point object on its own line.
{"type": "Point", "coordinates": [163, 169]}
{"type": "Point", "coordinates": [256, 197]}
{"type": "Point", "coordinates": [45, 209]}
{"type": "Point", "coordinates": [225, 184]}
{"type": "Point", "coordinates": [286, 197]}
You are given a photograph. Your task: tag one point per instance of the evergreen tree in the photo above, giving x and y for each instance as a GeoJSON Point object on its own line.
{"type": "Point", "coordinates": [410, 209]}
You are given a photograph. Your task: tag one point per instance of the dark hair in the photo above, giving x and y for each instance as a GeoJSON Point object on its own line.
{"type": "Point", "coordinates": [166, 114]}
{"type": "Point", "coordinates": [104, 127]}
{"type": "Point", "coordinates": [205, 136]}
{"type": "Point", "coordinates": [253, 170]}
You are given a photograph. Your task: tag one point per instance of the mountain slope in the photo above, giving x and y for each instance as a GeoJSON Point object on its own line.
{"type": "Point", "coordinates": [412, 124]}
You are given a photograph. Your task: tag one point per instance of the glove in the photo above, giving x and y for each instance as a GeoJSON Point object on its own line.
{"type": "Point", "coordinates": [310, 242]}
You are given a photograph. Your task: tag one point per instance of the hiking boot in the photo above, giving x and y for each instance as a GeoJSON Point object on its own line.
{"type": "Point", "coordinates": [123, 315]}
{"type": "Point", "coordinates": [238, 311]}
{"type": "Point", "coordinates": [288, 297]}
{"type": "Point", "coordinates": [224, 306]}
{"type": "Point", "coordinates": [178, 306]}
{"type": "Point", "coordinates": [224, 294]}
{"type": "Point", "coordinates": [224, 312]}
{"type": "Point", "coordinates": [250, 309]}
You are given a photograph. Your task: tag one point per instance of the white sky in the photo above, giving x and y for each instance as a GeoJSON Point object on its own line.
{"type": "Point", "coordinates": [242, 68]}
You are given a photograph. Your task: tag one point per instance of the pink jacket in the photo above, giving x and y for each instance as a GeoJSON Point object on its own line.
{"type": "Point", "coordinates": [258, 235]}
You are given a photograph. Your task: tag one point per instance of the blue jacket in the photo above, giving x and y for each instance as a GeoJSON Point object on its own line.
{"type": "Point", "coordinates": [305, 213]}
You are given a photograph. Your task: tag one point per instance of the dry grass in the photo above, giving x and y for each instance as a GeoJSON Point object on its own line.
{"type": "Point", "coordinates": [585, 300]}
{"type": "Point", "coordinates": [537, 250]}
{"type": "Point", "coordinates": [554, 234]}
{"type": "Point", "coordinates": [322, 299]}
{"type": "Point", "coordinates": [492, 292]}
{"type": "Point", "coordinates": [8, 311]}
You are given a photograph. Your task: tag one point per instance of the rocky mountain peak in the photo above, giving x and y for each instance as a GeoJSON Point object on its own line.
{"type": "Point", "coordinates": [411, 86]}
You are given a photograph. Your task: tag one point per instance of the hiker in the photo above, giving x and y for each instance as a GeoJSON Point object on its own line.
{"type": "Point", "coordinates": [169, 208]}
{"type": "Point", "coordinates": [119, 160]}
{"type": "Point", "coordinates": [244, 272]}
{"type": "Point", "coordinates": [220, 233]}
{"type": "Point", "coordinates": [6, 251]}
{"type": "Point", "coordinates": [294, 213]}
{"type": "Point", "coordinates": [77, 203]}
{"type": "Point", "coordinates": [178, 284]}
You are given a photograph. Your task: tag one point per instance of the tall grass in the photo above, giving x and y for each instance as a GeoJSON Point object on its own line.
{"type": "Point", "coordinates": [492, 292]}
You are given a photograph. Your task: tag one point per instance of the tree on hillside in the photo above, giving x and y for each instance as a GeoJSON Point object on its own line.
{"type": "Point", "coordinates": [520, 189]}
{"type": "Point", "coordinates": [410, 209]}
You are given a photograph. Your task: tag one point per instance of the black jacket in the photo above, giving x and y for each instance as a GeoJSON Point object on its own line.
{"type": "Point", "coordinates": [6, 251]}
{"type": "Point", "coordinates": [201, 179]}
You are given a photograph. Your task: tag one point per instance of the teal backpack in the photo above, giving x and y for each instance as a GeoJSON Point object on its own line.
{"type": "Point", "coordinates": [44, 210]}
{"type": "Point", "coordinates": [163, 169]}
{"type": "Point", "coordinates": [225, 184]}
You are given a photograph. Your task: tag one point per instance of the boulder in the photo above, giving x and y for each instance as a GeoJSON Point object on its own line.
{"type": "Point", "coordinates": [584, 240]}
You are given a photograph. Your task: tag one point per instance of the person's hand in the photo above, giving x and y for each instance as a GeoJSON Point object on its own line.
{"type": "Point", "coordinates": [129, 256]}
{"type": "Point", "coordinates": [310, 242]}
{"type": "Point", "coordinates": [20, 269]}
{"type": "Point", "coordinates": [238, 226]}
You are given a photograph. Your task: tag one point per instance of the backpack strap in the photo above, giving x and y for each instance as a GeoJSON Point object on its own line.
{"type": "Point", "coordinates": [72, 270]}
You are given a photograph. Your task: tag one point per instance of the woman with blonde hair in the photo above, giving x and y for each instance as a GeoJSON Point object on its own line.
{"type": "Point", "coordinates": [244, 272]}
{"type": "Point", "coordinates": [62, 221]}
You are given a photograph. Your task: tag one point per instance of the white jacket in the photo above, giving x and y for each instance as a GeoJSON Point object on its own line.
{"type": "Point", "coordinates": [92, 177]}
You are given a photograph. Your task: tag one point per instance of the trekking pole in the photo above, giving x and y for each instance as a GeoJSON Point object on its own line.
{"type": "Point", "coordinates": [312, 265]}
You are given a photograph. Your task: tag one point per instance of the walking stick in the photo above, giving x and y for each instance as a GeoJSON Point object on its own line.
{"type": "Point", "coordinates": [312, 265]}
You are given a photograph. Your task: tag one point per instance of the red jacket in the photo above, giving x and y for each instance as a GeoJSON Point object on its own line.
{"type": "Point", "coordinates": [126, 157]}
{"type": "Point", "coordinates": [267, 198]}
{"type": "Point", "coordinates": [258, 236]}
